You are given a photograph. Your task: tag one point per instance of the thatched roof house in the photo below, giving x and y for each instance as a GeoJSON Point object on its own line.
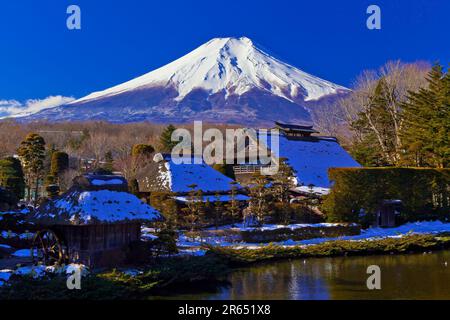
{"type": "Point", "coordinates": [96, 220]}
{"type": "Point", "coordinates": [166, 175]}
{"type": "Point", "coordinates": [95, 199]}
{"type": "Point", "coordinates": [310, 156]}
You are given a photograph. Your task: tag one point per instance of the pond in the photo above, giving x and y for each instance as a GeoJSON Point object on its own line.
{"type": "Point", "coordinates": [413, 276]}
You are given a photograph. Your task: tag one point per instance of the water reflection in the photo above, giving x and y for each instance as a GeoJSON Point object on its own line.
{"type": "Point", "coordinates": [414, 276]}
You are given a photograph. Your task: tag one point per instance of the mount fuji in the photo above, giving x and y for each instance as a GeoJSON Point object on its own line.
{"type": "Point", "coordinates": [226, 80]}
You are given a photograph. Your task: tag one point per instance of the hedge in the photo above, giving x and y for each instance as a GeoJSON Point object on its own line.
{"type": "Point", "coordinates": [424, 193]}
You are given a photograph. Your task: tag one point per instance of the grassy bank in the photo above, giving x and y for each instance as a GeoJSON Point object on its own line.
{"type": "Point", "coordinates": [406, 244]}
{"type": "Point", "coordinates": [160, 278]}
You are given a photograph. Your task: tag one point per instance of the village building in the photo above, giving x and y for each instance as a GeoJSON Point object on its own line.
{"type": "Point", "coordinates": [386, 215]}
{"type": "Point", "coordinates": [163, 175]}
{"type": "Point", "coordinates": [308, 154]}
{"type": "Point", "coordinates": [93, 223]}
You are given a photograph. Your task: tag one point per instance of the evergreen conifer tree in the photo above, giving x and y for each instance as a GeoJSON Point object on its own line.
{"type": "Point", "coordinates": [32, 156]}
{"type": "Point", "coordinates": [426, 129]}
{"type": "Point", "coordinates": [166, 139]}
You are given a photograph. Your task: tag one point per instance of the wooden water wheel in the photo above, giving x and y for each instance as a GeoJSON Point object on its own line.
{"type": "Point", "coordinates": [48, 249]}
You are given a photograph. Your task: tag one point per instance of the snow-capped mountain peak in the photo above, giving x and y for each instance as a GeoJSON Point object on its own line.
{"type": "Point", "coordinates": [226, 80]}
{"type": "Point", "coordinates": [233, 65]}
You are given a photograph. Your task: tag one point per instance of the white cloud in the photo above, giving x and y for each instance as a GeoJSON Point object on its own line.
{"type": "Point", "coordinates": [14, 108]}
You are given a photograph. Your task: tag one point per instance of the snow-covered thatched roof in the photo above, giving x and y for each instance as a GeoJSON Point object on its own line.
{"type": "Point", "coordinates": [311, 158]}
{"type": "Point", "coordinates": [81, 207]}
{"type": "Point", "coordinates": [174, 177]}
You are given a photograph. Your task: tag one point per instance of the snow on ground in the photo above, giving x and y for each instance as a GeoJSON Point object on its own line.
{"type": "Point", "coordinates": [22, 253]}
{"type": "Point", "coordinates": [76, 267]}
{"type": "Point", "coordinates": [42, 271]}
{"type": "Point", "coordinates": [5, 274]}
{"type": "Point", "coordinates": [377, 233]}
{"type": "Point", "coordinates": [265, 227]}
{"type": "Point", "coordinates": [148, 234]}
{"type": "Point", "coordinates": [221, 198]}
{"type": "Point", "coordinates": [103, 205]}
{"type": "Point", "coordinates": [34, 271]}
{"type": "Point", "coordinates": [8, 234]}
{"type": "Point", "coordinates": [97, 182]}
{"type": "Point", "coordinates": [133, 272]}
{"type": "Point", "coordinates": [371, 233]}
{"type": "Point", "coordinates": [313, 190]}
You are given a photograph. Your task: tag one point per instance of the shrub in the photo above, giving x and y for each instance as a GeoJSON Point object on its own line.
{"type": "Point", "coordinates": [11, 176]}
{"type": "Point", "coordinates": [142, 150]}
{"type": "Point", "coordinates": [59, 163]}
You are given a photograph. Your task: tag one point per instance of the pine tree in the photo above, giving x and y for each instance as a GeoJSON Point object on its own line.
{"type": "Point", "coordinates": [166, 139]}
{"type": "Point", "coordinates": [194, 210]}
{"type": "Point", "coordinates": [32, 156]}
{"type": "Point", "coordinates": [282, 183]}
{"type": "Point", "coordinates": [219, 209]}
{"type": "Point", "coordinates": [166, 204]}
{"type": "Point", "coordinates": [426, 130]}
{"type": "Point", "coordinates": [259, 198]}
{"type": "Point", "coordinates": [233, 205]}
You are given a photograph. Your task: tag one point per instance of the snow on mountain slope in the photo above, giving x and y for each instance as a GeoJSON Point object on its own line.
{"type": "Point", "coordinates": [15, 109]}
{"type": "Point", "coordinates": [226, 80]}
{"type": "Point", "coordinates": [233, 65]}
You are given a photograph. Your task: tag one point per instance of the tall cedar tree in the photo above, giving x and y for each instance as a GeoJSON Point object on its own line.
{"type": "Point", "coordinates": [32, 156]}
{"type": "Point", "coordinates": [166, 139]}
{"type": "Point", "coordinates": [426, 130]}
{"type": "Point", "coordinates": [11, 176]}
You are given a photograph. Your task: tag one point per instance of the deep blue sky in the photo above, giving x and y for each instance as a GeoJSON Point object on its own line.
{"type": "Point", "coordinates": [122, 39]}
